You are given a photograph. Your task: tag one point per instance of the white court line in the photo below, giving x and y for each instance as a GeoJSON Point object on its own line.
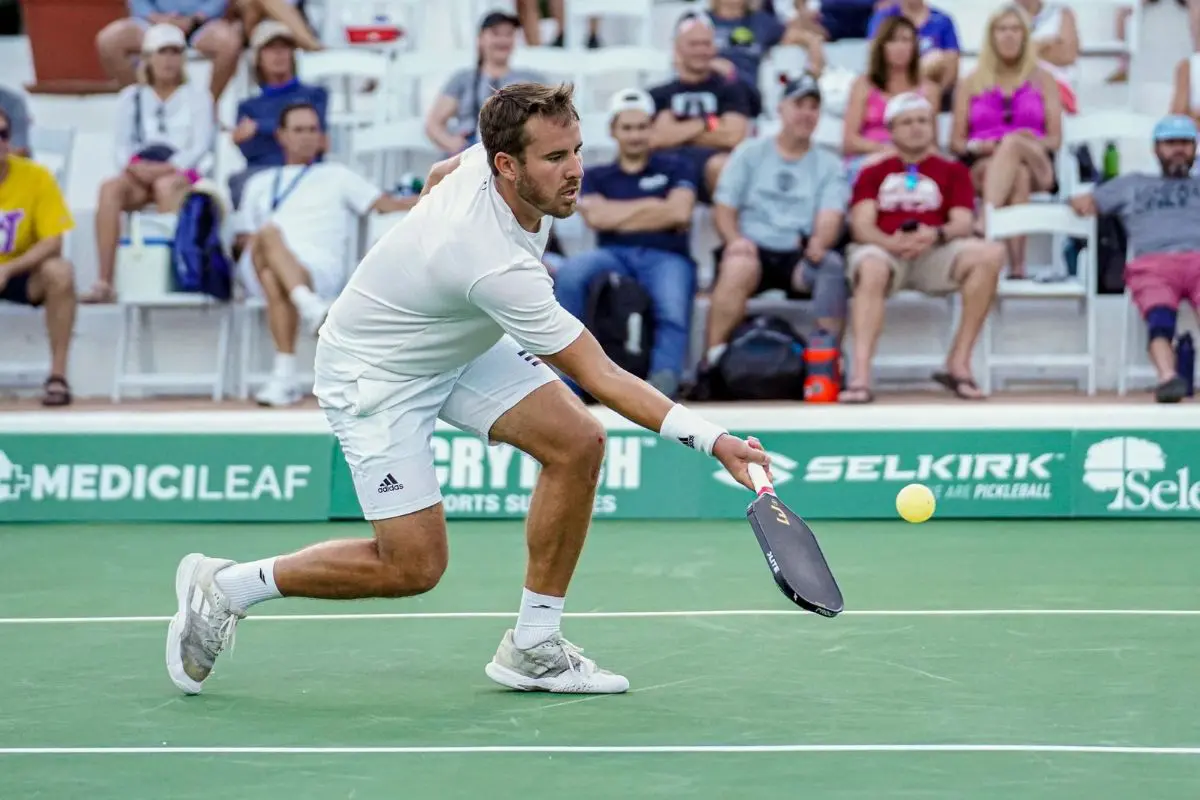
{"type": "Point", "coordinates": [583, 749]}
{"type": "Point", "coordinates": [773, 612]}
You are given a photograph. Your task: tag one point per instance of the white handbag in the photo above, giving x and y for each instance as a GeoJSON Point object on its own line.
{"type": "Point", "coordinates": [144, 257]}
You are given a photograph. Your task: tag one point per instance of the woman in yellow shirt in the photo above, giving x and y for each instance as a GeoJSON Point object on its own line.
{"type": "Point", "coordinates": [33, 219]}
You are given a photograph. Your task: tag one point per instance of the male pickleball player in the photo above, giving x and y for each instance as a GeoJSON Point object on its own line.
{"type": "Point", "coordinates": [452, 315]}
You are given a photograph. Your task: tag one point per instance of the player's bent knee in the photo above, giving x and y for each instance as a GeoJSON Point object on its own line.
{"type": "Point", "coordinates": [413, 552]}
{"type": "Point", "coordinates": [413, 569]}
{"type": "Point", "coordinates": [582, 448]}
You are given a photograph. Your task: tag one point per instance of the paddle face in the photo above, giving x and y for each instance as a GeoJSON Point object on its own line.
{"type": "Point", "coordinates": [795, 558]}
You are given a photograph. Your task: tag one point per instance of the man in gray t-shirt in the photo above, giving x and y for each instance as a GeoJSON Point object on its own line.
{"type": "Point", "coordinates": [452, 122]}
{"type": "Point", "coordinates": [15, 110]}
{"type": "Point", "coordinates": [779, 207]}
{"type": "Point", "coordinates": [1161, 216]}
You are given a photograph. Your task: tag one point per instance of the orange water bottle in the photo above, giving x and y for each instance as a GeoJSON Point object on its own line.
{"type": "Point", "coordinates": [822, 368]}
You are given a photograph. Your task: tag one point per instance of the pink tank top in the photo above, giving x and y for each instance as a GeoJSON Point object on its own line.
{"type": "Point", "coordinates": [993, 115]}
{"type": "Point", "coordinates": [873, 127]}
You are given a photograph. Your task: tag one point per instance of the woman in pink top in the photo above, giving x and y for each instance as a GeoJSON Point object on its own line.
{"type": "Point", "coordinates": [1008, 121]}
{"type": "Point", "coordinates": [893, 67]}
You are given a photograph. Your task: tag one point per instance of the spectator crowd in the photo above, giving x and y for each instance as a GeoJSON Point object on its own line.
{"type": "Point", "coordinates": [903, 206]}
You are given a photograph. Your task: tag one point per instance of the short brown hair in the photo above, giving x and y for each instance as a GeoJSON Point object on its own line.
{"type": "Point", "coordinates": [503, 116]}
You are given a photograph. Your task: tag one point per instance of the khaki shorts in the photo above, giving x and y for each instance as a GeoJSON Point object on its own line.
{"type": "Point", "coordinates": [932, 273]}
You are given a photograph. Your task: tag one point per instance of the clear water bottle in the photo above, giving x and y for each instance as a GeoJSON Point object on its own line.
{"type": "Point", "coordinates": [1185, 361]}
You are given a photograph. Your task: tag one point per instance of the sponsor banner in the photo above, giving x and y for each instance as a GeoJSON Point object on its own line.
{"type": "Point", "coordinates": [828, 475]}
{"type": "Point", "coordinates": [1137, 473]}
{"type": "Point", "coordinates": [823, 475]}
{"type": "Point", "coordinates": [643, 476]}
{"type": "Point", "coordinates": [856, 475]}
{"type": "Point", "coordinates": [196, 477]}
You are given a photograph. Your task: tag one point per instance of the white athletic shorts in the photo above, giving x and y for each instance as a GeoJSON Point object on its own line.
{"type": "Point", "coordinates": [385, 427]}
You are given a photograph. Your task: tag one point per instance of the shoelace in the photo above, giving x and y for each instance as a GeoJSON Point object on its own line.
{"type": "Point", "coordinates": [226, 633]}
{"type": "Point", "coordinates": [575, 658]}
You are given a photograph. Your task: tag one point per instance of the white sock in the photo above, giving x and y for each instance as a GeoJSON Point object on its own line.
{"type": "Point", "coordinates": [285, 366]}
{"type": "Point", "coordinates": [249, 584]}
{"type": "Point", "coordinates": [307, 303]}
{"type": "Point", "coordinates": [714, 354]}
{"type": "Point", "coordinates": [539, 619]}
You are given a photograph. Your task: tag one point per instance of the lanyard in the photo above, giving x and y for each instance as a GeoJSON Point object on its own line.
{"type": "Point", "coordinates": [277, 198]}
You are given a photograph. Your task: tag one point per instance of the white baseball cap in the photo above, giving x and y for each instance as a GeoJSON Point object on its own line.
{"type": "Point", "coordinates": [268, 31]}
{"type": "Point", "coordinates": [158, 37]}
{"type": "Point", "coordinates": [631, 100]}
{"type": "Point", "coordinates": [904, 103]}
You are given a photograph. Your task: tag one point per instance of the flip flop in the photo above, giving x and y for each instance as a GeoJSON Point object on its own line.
{"type": "Point", "coordinates": [856, 395]}
{"type": "Point", "coordinates": [956, 385]}
{"type": "Point", "coordinates": [56, 391]}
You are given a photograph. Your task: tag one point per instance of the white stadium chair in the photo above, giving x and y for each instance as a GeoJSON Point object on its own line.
{"type": "Point", "coordinates": [373, 149]}
{"type": "Point", "coordinates": [416, 79]}
{"type": "Point", "coordinates": [135, 326]}
{"type": "Point", "coordinates": [599, 147]}
{"type": "Point", "coordinates": [144, 285]}
{"type": "Point", "coordinates": [639, 13]}
{"type": "Point", "coordinates": [1131, 131]}
{"type": "Point", "coordinates": [1044, 218]}
{"type": "Point", "coordinates": [345, 72]}
{"type": "Point", "coordinates": [52, 149]}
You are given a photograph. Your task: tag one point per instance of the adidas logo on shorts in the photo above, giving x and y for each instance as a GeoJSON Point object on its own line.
{"type": "Point", "coordinates": [390, 484]}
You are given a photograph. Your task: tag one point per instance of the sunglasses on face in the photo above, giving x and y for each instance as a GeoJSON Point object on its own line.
{"type": "Point", "coordinates": [4, 134]}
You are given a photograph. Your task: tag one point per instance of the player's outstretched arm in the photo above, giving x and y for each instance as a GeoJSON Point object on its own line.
{"type": "Point", "coordinates": [585, 361]}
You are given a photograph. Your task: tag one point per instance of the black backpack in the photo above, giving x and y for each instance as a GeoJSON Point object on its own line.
{"type": "Point", "coordinates": [764, 361]}
{"type": "Point", "coordinates": [620, 315]}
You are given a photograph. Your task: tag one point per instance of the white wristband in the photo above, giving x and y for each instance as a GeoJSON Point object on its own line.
{"type": "Point", "coordinates": [690, 429]}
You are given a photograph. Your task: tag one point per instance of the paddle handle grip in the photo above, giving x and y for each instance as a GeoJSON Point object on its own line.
{"type": "Point", "coordinates": [758, 477]}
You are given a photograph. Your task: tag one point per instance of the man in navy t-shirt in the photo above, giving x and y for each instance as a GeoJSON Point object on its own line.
{"type": "Point", "coordinates": [938, 41]}
{"type": "Point", "coordinates": [641, 209]}
{"type": "Point", "coordinates": [701, 115]}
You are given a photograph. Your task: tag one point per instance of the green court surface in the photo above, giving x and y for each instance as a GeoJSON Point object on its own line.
{"type": "Point", "coordinates": [1016, 659]}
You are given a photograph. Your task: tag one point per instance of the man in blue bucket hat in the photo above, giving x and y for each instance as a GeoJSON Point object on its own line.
{"type": "Point", "coordinates": [1161, 215]}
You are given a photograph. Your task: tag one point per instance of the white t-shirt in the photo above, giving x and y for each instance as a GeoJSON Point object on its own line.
{"type": "Point", "coordinates": [312, 206]}
{"type": "Point", "coordinates": [442, 287]}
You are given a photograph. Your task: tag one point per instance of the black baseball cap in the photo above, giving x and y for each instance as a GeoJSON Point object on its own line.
{"type": "Point", "coordinates": [803, 86]}
{"type": "Point", "coordinates": [495, 18]}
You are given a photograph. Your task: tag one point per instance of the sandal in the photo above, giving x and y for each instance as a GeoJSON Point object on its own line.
{"type": "Point", "coordinates": [56, 391]}
{"type": "Point", "coordinates": [856, 395]}
{"type": "Point", "coordinates": [100, 292]}
{"type": "Point", "coordinates": [959, 385]}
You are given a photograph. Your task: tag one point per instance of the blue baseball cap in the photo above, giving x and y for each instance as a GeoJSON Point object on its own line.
{"type": "Point", "coordinates": [1174, 128]}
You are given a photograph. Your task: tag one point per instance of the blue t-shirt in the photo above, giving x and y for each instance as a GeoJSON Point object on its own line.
{"type": "Point", "coordinates": [745, 40]}
{"type": "Point", "coordinates": [262, 149]}
{"type": "Point", "coordinates": [938, 32]}
{"type": "Point", "coordinates": [661, 175]}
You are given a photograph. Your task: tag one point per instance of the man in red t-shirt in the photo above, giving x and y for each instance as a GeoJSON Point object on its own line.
{"type": "Point", "coordinates": [911, 218]}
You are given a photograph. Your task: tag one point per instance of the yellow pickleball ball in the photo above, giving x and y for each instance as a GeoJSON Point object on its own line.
{"type": "Point", "coordinates": [915, 502]}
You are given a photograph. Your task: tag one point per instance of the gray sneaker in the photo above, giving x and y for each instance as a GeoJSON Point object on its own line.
{"type": "Point", "coordinates": [203, 625]}
{"type": "Point", "coordinates": [555, 665]}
